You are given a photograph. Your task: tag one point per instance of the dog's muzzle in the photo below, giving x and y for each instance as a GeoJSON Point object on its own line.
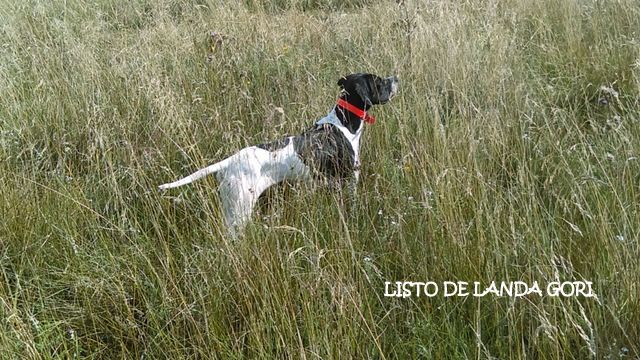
{"type": "Point", "coordinates": [394, 85]}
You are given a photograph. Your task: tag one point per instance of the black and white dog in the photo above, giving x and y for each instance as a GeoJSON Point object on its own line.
{"type": "Point", "coordinates": [329, 150]}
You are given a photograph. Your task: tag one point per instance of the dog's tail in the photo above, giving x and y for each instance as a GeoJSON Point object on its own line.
{"type": "Point", "coordinates": [196, 175]}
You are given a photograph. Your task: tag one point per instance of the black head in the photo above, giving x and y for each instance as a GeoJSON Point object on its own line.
{"type": "Point", "coordinates": [366, 90]}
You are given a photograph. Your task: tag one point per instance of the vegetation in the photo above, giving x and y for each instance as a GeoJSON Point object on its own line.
{"type": "Point", "coordinates": [510, 154]}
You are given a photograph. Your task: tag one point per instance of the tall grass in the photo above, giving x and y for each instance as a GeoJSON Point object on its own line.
{"type": "Point", "coordinates": [511, 154]}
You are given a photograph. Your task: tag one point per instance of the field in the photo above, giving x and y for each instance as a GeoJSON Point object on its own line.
{"type": "Point", "coordinates": [510, 154]}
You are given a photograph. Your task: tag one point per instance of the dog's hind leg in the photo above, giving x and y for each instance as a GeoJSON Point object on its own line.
{"type": "Point", "coordinates": [237, 212]}
{"type": "Point", "coordinates": [237, 204]}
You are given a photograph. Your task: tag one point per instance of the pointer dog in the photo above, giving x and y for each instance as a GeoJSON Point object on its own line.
{"type": "Point", "coordinates": [329, 150]}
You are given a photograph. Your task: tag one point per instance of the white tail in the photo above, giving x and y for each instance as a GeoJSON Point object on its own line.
{"type": "Point", "coordinates": [196, 175]}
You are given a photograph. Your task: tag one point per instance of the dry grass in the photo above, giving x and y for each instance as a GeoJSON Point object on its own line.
{"type": "Point", "coordinates": [511, 154]}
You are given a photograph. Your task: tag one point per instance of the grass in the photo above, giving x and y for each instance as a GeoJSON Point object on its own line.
{"type": "Point", "coordinates": [510, 154]}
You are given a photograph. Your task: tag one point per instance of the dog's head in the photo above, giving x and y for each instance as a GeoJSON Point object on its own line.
{"type": "Point", "coordinates": [366, 90]}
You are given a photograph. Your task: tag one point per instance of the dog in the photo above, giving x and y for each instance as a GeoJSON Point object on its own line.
{"type": "Point", "coordinates": [329, 150]}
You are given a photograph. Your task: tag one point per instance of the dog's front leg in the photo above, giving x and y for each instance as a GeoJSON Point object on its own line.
{"type": "Point", "coordinates": [353, 182]}
{"type": "Point", "coordinates": [352, 189]}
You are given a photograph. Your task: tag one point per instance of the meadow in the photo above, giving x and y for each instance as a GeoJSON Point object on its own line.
{"type": "Point", "coordinates": [510, 154]}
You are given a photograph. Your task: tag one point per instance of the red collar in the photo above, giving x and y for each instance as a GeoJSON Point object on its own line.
{"type": "Point", "coordinates": [362, 114]}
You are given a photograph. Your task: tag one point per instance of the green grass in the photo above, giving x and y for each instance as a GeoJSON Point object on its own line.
{"type": "Point", "coordinates": [499, 161]}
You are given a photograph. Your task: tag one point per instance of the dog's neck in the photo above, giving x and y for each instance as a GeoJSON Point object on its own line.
{"type": "Point", "coordinates": [347, 118]}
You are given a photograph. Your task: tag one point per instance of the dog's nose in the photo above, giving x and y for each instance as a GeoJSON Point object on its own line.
{"type": "Point", "coordinates": [394, 84]}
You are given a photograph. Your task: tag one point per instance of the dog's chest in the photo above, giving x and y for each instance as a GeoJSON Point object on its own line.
{"type": "Point", "coordinates": [354, 141]}
{"type": "Point", "coordinates": [329, 149]}
{"type": "Point", "coordinates": [352, 138]}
